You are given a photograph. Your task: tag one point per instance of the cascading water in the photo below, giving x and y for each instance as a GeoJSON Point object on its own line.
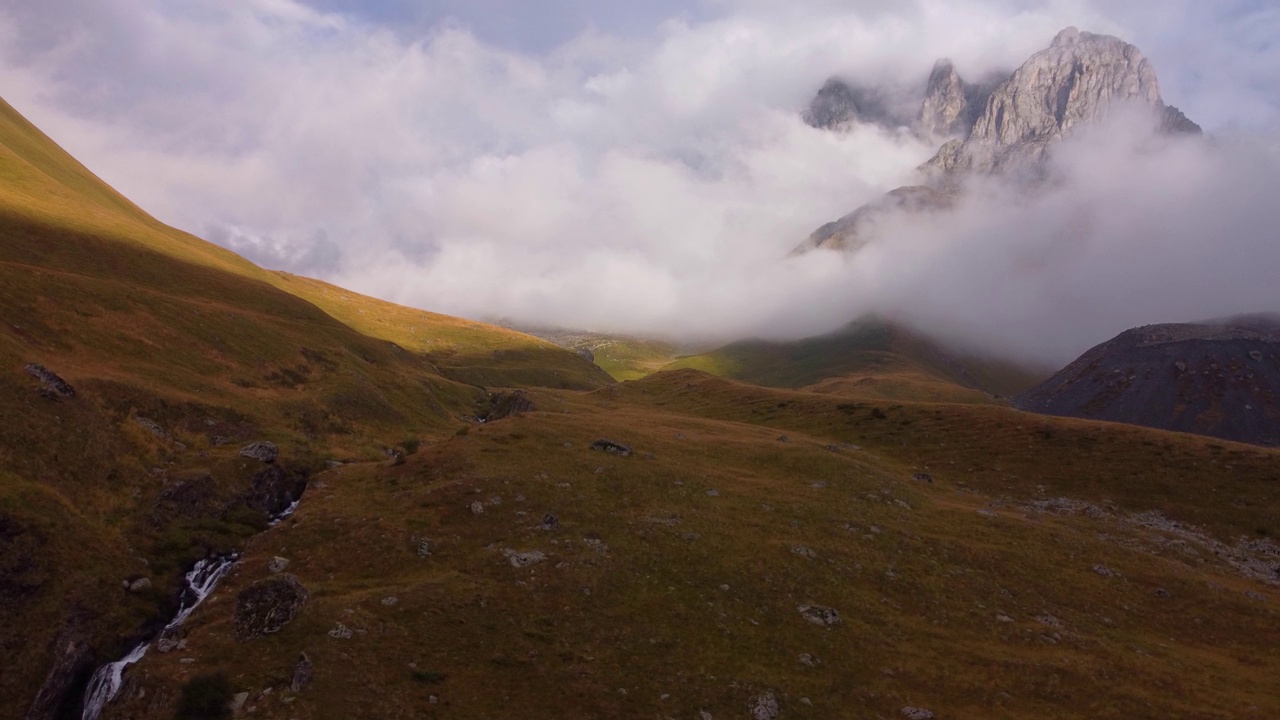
{"type": "Point", "coordinates": [201, 580]}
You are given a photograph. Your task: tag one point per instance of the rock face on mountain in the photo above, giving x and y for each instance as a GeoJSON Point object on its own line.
{"type": "Point", "coordinates": [1078, 80]}
{"type": "Point", "coordinates": [839, 106]}
{"type": "Point", "coordinates": [855, 229]}
{"type": "Point", "coordinates": [1006, 128]}
{"type": "Point", "coordinates": [951, 105]}
{"type": "Point", "coordinates": [1217, 380]}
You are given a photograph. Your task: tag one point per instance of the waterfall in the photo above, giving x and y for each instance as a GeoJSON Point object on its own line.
{"type": "Point", "coordinates": [201, 579]}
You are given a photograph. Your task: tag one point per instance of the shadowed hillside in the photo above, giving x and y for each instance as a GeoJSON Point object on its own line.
{"type": "Point", "coordinates": [1218, 380]}
{"type": "Point", "coordinates": [869, 357]}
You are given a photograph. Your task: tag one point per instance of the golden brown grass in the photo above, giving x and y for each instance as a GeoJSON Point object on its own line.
{"type": "Point", "coordinates": [696, 596]}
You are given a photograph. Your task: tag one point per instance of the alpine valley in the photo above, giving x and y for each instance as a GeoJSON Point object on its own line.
{"type": "Point", "coordinates": [229, 491]}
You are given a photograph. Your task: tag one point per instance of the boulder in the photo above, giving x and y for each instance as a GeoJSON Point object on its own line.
{"type": "Point", "coordinates": [277, 564]}
{"type": "Point", "coordinates": [611, 447]}
{"type": "Point", "coordinates": [274, 488]}
{"type": "Point", "coordinates": [268, 605]}
{"type": "Point", "coordinates": [262, 451]}
{"type": "Point", "coordinates": [54, 386]}
{"type": "Point", "coordinates": [819, 615]}
{"type": "Point", "coordinates": [765, 707]}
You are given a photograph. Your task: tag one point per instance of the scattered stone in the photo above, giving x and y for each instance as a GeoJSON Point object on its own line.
{"type": "Point", "coordinates": [1259, 597]}
{"type": "Point", "coordinates": [1049, 620]}
{"type": "Point", "coordinates": [524, 559]}
{"type": "Point", "coordinates": [152, 427]}
{"type": "Point", "coordinates": [713, 493]}
{"type": "Point", "coordinates": [432, 699]}
{"type": "Point", "coordinates": [704, 715]}
{"type": "Point", "coordinates": [807, 660]}
{"type": "Point", "coordinates": [804, 551]}
{"type": "Point", "coordinates": [331, 464]}
{"type": "Point", "coordinates": [477, 508]}
{"type": "Point", "coordinates": [922, 477]}
{"type": "Point", "coordinates": [596, 544]}
{"type": "Point", "coordinates": [550, 522]}
{"type": "Point", "coordinates": [1162, 593]}
{"type": "Point", "coordinates": [765, 707]}
{"type": "Point", "coordinates": [390, 600]}
{"type": "Point", "coordinates": [166, 644]}
{"type": "Point", "coordinates": [277, 565]}
{"type": "Point", "coordinates": [783, 439]}
{"type": "Point", "coordinates": [54, 386]}
{"type": "Point", "coordinates": [340, 632]}
{"type": "Point", "coordinates": [612, 448]}
{"type": "Point", "coordinates": [819, 485]}
{"type": "Point", "coordinates": [1180, 366]}
{"type": "Point", "coordinates": [262, 451]}
{"type": "Point", "coordinates": [1256, 355]}
{"type": "Point", "coordinates": [187, 661]}
{"type": "Point", "coordinates": [568, 445]}
{"type": "Point", "coordinates": [495, 501]}
{"type": "Point", "coordinates": [680, 436]}
{"type": "Point", "coordinates": [1105, 571]}
{"type": "Point", "coordinates": [268, 605]}
{"type": "Point", "coordinates": [819, 615]}
{"type": "Point", "coordinates": [138, 584]}
{"type": "Point", "coordinates": [302, 672]}
{"type": "Point", "coordinates": [424, 547]}
{"type": "Point", "coordinates": [915, 713]}
{"type": "Point", "coordinates": [237, 702]}
{"type": "Point", "coordinates": [1003, 618]}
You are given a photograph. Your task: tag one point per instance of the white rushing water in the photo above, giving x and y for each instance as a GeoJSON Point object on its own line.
{"type": "Point", "coordinates": [285, 513]}
{"type": "Point", "coordinates": [201, 580]}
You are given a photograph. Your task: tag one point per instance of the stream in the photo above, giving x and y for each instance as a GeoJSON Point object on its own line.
{"type": "Point", "coordinates": [201, 580]}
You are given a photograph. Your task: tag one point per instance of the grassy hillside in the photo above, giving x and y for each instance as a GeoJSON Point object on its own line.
{"type": "Point", "coordinates": [1049, 568]}
{"type": "Point", "coordinates": [181, 352]}
{"type": "Point", "coordinates": [870, 358]}
{"type": "Point", "coordinates": [622, 356]}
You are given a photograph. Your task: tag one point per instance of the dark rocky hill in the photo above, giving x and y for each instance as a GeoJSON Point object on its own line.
{"type": "Point", "coordinates": [1217, 380]}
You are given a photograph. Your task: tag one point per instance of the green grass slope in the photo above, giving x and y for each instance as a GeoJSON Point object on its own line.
{"type": "Point", "coordinates": [180, 353]}
{"type": "Point", "coordinates": [1050, 569]}
{"type": "Point", "coordinates": [869, 357]}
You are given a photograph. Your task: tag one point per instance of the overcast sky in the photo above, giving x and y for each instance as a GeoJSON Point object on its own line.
{"type": "Point", "coordinates": [641, 167]}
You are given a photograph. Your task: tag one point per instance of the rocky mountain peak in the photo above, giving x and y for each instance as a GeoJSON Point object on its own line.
{"type": "Point", "coordinates": [944, 108]}
{"type": "Point", "coordinates": [1079, 79]}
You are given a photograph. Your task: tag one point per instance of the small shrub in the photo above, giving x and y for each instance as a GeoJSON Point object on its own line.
{"type": "Point", "coordinates": [411, 445]}
{"type": "Point", "coordinates": [205, 697]}
{"type": "Point", "coordinates": [878, 414]}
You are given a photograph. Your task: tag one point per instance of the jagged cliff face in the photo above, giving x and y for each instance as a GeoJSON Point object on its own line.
{"type": "Point", "coordinates": [839, 106]}
{"type": "Point", "coordinates": [1005, 127]}
{"type": "Point", "coordinates": [951, 105]}
{"type": "Point", "coordinates": [1078, 80]}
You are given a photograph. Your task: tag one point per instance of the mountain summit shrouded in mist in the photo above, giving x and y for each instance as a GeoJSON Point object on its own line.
{"type": "Point", "coordinates": [1006, 129]}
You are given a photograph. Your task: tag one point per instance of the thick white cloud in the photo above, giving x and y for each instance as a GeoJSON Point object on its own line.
{"type": "Point", "coordinates": [647, 184]}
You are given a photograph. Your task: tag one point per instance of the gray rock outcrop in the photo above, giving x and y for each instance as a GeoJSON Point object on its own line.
{"type": "Point", "coordinates": [839, 106]}
{"type": "Point", "coordinates": [263, 451]}
{"type": "Point", "coordinates": [54, 386]}
{"type": "Point", "coordinates": [611, 447]}
{"type": "Point", "coordinates": [72, 658]}
{"type": "Point", "coordinates": [1005, 128]}
{"type": "Point", "coordinates": [1079, 79]}
{"type": "Point", "coordinates": [266, 606]}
